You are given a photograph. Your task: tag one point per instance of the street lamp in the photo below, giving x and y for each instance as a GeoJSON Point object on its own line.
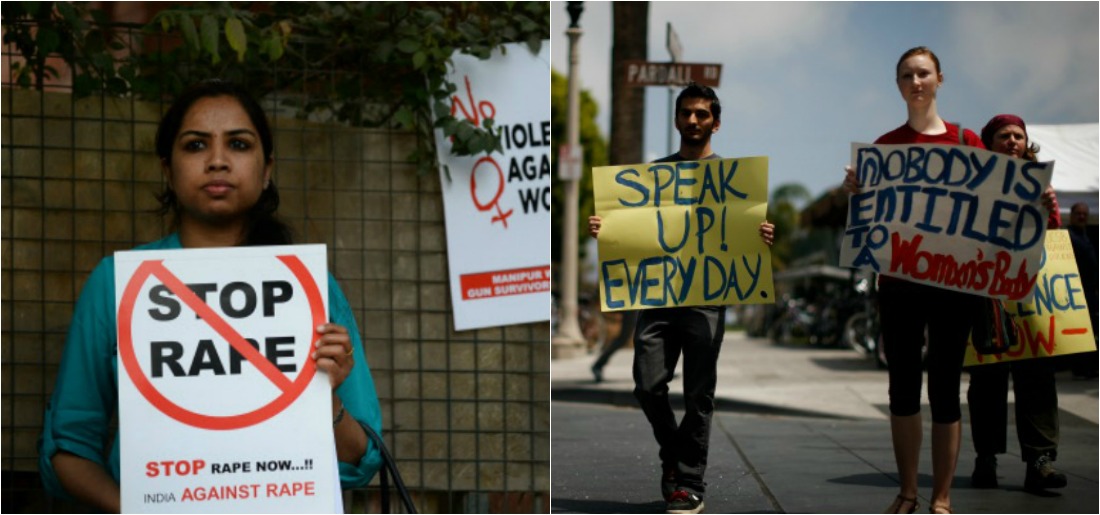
{"type": "Point", "coordinates": [569, 342]}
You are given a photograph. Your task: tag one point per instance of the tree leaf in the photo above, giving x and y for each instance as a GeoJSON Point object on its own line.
{"type": "Point", "coordinates": [418, 59]}
{"type": "Point", "coordinates": [48, 41]}
{"type": "Point", "coordinates": [238, 40]}
{"type": "Point", "coordinates": [32, 8]}
{"type": "Point", "coordinates": [165, 21]}
{"type": "Point", "coordinates": [408, 45]}
{"type": "Point", "coordinates": [190, 35]}
{"type": "Point", "coordinates": [404, 117]}
{"type": "Point", "coordinates": [275, 47]}
{"type": "Point", "coordinates": [68, 12]}
{"type": "Point", "coordinates": [210, 37]}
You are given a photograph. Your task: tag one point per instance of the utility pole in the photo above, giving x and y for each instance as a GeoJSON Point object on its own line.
{"type": "Point", "coordinates": [568, 341]}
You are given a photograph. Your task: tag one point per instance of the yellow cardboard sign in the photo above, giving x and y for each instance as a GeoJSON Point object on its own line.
{"type": "Point", "coordinates": [683, 234]}
{"type": "Point", "coordinates": [1056, 320]}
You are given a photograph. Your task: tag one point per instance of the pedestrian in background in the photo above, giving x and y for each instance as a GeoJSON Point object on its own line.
{"type": "Point", "coordinates": [907, 308]}
{"type": "Point", "coordinates": [1084, 365]}
{"type": "Point", "coordinates": [626, 331]}
{"type": "Point", "coordinates": [1079, 224]}
{"type": "Point", "coordinates": [1032, 379]}
{"type": "Point", "coordinates": [662, 334]}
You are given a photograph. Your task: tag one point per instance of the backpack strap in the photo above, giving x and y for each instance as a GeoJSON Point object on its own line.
{"type": "Point", "coordinates": [962, 134]}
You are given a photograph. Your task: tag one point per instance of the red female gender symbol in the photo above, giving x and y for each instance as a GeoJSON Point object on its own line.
{"type": "Point", "coordinates": [501, 216]}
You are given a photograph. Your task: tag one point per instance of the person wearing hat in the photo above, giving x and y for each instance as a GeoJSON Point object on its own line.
{"type": "Point", "coordinates": [1032, 379]}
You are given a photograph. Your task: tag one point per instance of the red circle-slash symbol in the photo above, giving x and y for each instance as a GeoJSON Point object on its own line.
{"type": "Point", "coordinates": [291, 389]}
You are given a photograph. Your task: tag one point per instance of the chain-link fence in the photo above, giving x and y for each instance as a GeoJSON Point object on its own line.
{"type": "Point", "coordinates": [466, 414]}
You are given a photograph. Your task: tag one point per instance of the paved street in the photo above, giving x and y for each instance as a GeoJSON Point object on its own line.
{"type": "Point", "coordinates": [799, 430]}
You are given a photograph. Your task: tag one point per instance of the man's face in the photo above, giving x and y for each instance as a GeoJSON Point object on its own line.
{"type": "Point", "coordinates": [1079, 216]}
{"type": "Point", "coordinates": [694, 121]}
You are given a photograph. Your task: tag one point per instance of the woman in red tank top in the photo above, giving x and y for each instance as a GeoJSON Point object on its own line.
{"type": "Point", "coordinates": [908, 310]}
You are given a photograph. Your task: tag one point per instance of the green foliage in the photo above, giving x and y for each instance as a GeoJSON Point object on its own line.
{"type": "Point", "coordinates": [595, 154]}
{"type": "Point", "coordinates": [371, 64]}
{"type": "Point", "coordinates": [40, 30]}
{"type": "Point", "coordinates": [783, 211]}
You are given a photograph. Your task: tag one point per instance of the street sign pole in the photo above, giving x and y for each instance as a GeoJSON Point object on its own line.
{"type": "Point", "coordinates": [675, 51]}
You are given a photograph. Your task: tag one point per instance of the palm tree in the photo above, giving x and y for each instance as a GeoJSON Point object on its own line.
{"type": "Point", "coordinates": [631, 30]}
{"type": "Point", "coordinates": [783, 211]}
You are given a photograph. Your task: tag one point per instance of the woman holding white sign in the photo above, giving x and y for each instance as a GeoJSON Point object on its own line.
{"type": "Point", "coordinates": [907, 309]}
{"type": "Point", "coordinates": [216, 151]}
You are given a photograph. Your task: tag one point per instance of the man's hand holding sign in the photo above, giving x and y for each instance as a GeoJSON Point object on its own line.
{"type": "Point", "coordinates": [915, 204]}
{"type": "Point", "coordinates": [683, 234]}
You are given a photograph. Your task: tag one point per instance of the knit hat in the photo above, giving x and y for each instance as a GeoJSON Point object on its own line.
{"type": "Point", "coordinates": [995, 125]}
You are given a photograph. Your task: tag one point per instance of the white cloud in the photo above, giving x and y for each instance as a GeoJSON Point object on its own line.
{"type": "Point", "coordinates": [1039, 57]}
{"type": "Point", "coordinates": [740, 32]}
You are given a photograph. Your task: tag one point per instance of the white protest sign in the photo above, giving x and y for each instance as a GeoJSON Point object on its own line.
{"type": "Point", "coordinates": [498, 206]}
{"type": "Point", "coordinates": [954, 217]}
{"type": "Point", "coordinates": [220, 406]}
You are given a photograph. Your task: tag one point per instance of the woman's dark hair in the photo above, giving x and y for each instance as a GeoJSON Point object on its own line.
{"type": "Point", "coordinates": [695, 90]}
{"type": "Point", "coordinates": [264, 228]}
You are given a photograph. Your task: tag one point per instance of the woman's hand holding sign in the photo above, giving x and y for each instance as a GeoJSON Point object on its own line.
{"type": "Point", "coordinates": [334, 354]}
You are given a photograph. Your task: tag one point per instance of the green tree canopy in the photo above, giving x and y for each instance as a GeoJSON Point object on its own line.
{"type": "Point", "coordinates": [376, 64]}
{"type": "Point", "coordinates": [595, 154]}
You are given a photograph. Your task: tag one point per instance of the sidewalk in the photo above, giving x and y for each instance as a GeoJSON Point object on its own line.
{"type": "Point", "coordinates": [799, 429]}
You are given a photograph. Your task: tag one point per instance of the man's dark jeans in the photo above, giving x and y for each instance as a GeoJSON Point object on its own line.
{"type": "Point", "coordinates": [661, 336]}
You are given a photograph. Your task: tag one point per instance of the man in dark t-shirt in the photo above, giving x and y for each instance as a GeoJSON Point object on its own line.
{"type": "Point", "coordinates": [663, 334]}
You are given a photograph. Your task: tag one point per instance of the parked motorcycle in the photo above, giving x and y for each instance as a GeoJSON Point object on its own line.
{"type": "Point", "coordinates": [795, 321]}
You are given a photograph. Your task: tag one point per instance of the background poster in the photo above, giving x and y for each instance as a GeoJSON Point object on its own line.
{"type": "Point", "coordinates": [209, 426]}
{"type": "Point", "coordinates": [497, 206]}
{"type": "Point", "coordinates": [683, 234]}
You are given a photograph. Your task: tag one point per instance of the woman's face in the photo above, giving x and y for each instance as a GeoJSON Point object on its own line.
{"type": "Point", "coordinates": [1011, 140]}
{"type": "Point", "coordinates": [918, 79]}
{"type": "Point", "coordinates": [217, 170]}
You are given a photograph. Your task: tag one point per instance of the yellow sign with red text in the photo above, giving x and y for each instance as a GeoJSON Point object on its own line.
{"type": "Point", "coordinates": [1056, 320]}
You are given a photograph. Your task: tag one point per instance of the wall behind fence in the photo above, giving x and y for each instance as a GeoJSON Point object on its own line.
{"type": "Point", "coordinates": [465, 414]}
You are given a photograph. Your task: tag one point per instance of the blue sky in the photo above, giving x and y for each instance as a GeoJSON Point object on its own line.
{"type": "Point", "coordinates": [801, 81]}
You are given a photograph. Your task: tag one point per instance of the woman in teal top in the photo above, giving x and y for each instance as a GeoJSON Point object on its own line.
{"type": "Point", "coordinates": [216, 149]}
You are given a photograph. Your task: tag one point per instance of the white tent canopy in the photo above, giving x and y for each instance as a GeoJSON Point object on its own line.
{"type": "Point", "coordinates": [1075, 150]}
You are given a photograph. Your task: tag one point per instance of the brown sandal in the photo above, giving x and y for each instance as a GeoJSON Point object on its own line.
{"type": "Point", "coordinates": [940, 508]}
{"type": "Point", "coordinates": [899, 502]}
